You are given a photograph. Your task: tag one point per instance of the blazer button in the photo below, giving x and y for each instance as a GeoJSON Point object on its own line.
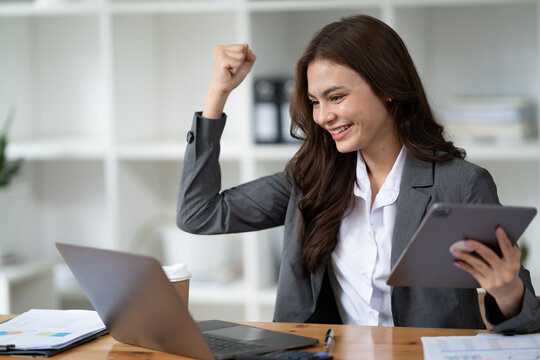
{"type": "Point", "coordinates": [190, 137]}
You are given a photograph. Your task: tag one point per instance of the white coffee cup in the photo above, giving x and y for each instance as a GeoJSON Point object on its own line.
{"type": "Point", "coordinates": [179, 276]}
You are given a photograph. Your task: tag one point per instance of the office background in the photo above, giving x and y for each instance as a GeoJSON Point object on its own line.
{"type": "Point", "coordinates": [105, 90]}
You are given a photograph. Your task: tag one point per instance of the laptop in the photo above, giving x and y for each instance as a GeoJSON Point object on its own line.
{"type": "Point", "coordinates": [139, 306]}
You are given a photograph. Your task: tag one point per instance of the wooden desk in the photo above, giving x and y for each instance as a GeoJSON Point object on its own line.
{"type": "Point", "coordinates": [351, 342]}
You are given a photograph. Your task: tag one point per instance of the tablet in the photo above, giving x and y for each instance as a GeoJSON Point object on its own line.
{"type": "Point", "coordinates": [427, 261]}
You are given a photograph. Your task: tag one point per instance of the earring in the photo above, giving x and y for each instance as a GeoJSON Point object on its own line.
{"type": "Point", "coordinates": [389, 99]}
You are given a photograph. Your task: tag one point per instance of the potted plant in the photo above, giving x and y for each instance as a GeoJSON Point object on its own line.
{"type": "Point", "coordinates": [7, 168]}
{"type": "Point", "coordinates": [12, 200]}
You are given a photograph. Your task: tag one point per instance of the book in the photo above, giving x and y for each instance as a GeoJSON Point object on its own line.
{"type": "Point", "coordinates": [43, 332]}
{"type": "Point", "coordinates": [496, 119]}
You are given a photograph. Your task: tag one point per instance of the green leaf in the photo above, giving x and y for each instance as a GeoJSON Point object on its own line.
{"type": "Point", "coordinates": [3, 143]}
{"type": "Point", "coordinates": [11, 169]}
{"type": "Point", "coordinates": [8, 122]}
{"type": "Point", "coordinates": [7, 168]}
{"type": "Point", "coordinates": [524, 252]}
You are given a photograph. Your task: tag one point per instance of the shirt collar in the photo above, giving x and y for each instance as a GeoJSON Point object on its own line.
{"type": "Point", "coordinates": [389, 190]}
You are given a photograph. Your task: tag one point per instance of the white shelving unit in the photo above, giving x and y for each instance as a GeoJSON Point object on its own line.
{"type": "Point", "coordinates": [105, 92]}
{"type": "Point", "coordinates": [26, 285]}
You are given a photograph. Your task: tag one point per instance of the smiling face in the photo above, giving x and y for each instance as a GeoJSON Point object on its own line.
{"type": "Point", "coordinates": [346, 106]}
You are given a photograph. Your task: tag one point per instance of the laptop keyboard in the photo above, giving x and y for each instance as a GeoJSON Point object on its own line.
{"type": "Point", "coordinates": [287, 355]}
{"type": "Point", "coordinates": [224, 346]}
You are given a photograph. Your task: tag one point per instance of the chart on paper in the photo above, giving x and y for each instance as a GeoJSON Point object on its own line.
{"type": "Point", "coordinates": [482, 347]}
{"type": "Point", "coordinates": [43, 329]}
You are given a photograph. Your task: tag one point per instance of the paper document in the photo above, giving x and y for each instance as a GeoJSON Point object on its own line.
{"type": "Point", "coordinates": [482, 347]}
{"type": "Point", "coordinates": [49, 329]}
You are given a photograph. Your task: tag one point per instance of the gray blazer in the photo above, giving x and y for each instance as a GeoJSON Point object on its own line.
{"type": "Point", "coordinates": [303, 296]}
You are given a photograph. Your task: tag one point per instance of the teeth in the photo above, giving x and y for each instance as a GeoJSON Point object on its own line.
{"type": "Point", "coordinates": [338, 130]}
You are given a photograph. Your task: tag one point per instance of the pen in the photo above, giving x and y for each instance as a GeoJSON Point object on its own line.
{"type": "Point", "coordinates": [328, 341]}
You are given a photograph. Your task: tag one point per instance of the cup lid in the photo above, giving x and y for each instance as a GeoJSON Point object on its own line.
{"type": "Point", "coordinates": [177, 272]}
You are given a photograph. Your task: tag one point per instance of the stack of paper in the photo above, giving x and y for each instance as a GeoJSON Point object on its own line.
{"type": "Point", "coordinates": [489, 119]}
{"type": "Point", "coordinates": [483, 346]}
{"type": "Point", "coordinates": [46, 332]}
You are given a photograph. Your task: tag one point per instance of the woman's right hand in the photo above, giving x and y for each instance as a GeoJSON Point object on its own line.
{"type": "Point", "coordinates": [232, 63]}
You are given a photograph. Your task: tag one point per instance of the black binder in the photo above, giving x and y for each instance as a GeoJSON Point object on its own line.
{"type": "Point", "coordinates": [9, 350]}
{"type": "Point", "coordinates": [31, 333]}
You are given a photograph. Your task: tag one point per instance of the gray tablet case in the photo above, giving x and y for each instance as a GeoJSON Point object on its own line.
{"type": "Point", "coordinates": [427, 261]}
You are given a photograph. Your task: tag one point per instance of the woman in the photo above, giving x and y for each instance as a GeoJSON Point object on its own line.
{"type": "Point", "coordinates": [372, 161]}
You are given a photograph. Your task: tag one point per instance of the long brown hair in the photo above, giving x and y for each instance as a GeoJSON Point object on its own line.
{"type": "Point", "coordinates": [325, 176]}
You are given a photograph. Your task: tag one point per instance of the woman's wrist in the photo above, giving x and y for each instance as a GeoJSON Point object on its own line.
{"type": "Point", "coordinates": [214, 105]}
{"type": "Point", "coordinates": [510, 302]}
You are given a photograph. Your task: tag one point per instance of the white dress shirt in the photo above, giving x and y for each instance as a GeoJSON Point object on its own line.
{"type": "Point", "coordinates": [361, 259]}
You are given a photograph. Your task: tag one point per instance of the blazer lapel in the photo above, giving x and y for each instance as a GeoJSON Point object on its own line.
{"type": "Point", "coordinates": [412, 202]}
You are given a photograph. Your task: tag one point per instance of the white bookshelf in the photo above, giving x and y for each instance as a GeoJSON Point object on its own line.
{"type": "Point", "coordinates": [106, 89]}
{"type": "Point", "coordinates": [26, 285]}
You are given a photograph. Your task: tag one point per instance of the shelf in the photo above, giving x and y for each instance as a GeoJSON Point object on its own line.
{"type": "Point", "coordinates": [266, 6]}
{"type": "Point", "coordinates": [286, 32]}
{"type": "Point", "coordinates": [519, 152]}
{"type": "Point", "coordinates": [144, 151]}
{"type": "Point", "coordinates": [87, 149]}
{"type": "Point", "coordinates": [58, 149]}
{"type": "Point", "coordinates": [171, 7]}
{"type": "Point", "coordinates": [267, 296]}
{"type": "Point", "coordinates": [37, 8]}
{"type": "Point", "coordinates": [227, 294]}
{"type": "Point", "coordinates": [275, 152]}
{"type": "Point", "coordinates": [230, 294]}
{"type": "Point", "coordinates": [67, 203]}
{"type": "Point", "coordinates": [498, 58]}
{"type": "Point", "coordinates": [436, 3]}
{"type": "Point", "coordinates": [26, 285]}
{"type": "Point", "coordinates": [23, 271]}
{"type": "Point", "coordinates": [158, 86]}
{"type": "Point", "coordinates": [52, 75]}
{"type": "Point", "coordinates": [170, 149]}
{"type": "Point", "coordinates": [18, 9]}
{"type": "Point", "coordinates": [503, 152]}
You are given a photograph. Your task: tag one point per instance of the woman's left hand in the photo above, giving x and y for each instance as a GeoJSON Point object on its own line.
{"type": "Point", "coordinates": [498, 275]}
